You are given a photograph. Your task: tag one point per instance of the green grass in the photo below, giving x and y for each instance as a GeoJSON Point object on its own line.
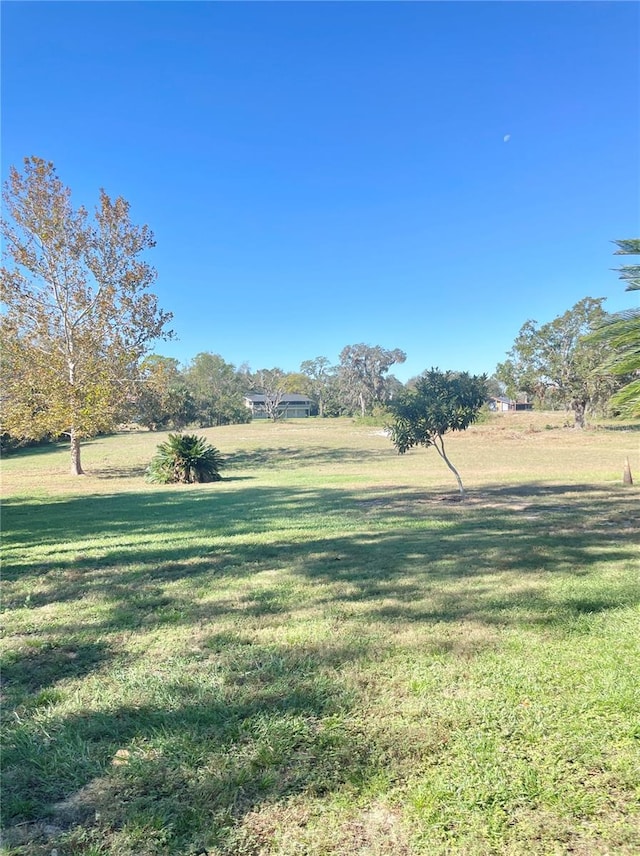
{"type": "Point", "coordinates": [323, 653]}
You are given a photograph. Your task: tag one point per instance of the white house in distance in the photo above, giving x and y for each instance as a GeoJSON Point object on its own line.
{"type": "Point", "coordinates": [290, 406]}
{"type": "Point", "coordinates": [503, 404]}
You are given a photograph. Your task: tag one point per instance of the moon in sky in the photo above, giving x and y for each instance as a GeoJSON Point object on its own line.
{"type": "Point", "coordinates": [506, 138]}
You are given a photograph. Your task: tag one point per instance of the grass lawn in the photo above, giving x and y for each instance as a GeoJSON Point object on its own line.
{"type": "Point", "coordinates": [323, 653]}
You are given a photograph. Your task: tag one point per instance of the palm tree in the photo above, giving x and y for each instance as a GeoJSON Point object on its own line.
{"type": "Point", "coordinates": [622, 332]}
{"type": "Point", "coordinates": [185, 458]}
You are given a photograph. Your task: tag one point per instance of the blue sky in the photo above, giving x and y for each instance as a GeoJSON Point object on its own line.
{"type": "Point", "coordinates": [425, 176]}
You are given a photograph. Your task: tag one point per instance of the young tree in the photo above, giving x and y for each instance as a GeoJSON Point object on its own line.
{"type": "Point", "coordinates": [622, 332]}
{"type": "Point", "coordinates": [561, 357]}
{"type": "Point", "coordinates": [78, 316]}
{"type": "Point", "coordinates": [362, 373]}
{"type": "Point", "coordinates": [438, 402]}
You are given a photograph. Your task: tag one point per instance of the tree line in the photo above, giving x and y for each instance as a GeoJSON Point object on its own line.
{"type": "Point", "coordinates": [79, 322]}
{"type": "Point", "coordinates": [209, 391]}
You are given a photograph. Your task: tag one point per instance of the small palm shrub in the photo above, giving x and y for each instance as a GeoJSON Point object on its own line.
{"type": "Point", "coordinates": [183, 459]}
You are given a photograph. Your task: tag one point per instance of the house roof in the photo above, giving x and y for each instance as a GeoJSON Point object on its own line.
{"type": "Point", "coordinates": [506, 400]}
{"type": "Point", "coordinates": [287, 398]}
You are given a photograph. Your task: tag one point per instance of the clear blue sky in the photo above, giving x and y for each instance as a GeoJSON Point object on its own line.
{"type": "Point", "coordinates": [426, 176]}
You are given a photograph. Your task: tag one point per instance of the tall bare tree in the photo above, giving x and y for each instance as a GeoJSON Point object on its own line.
{"type": "Point", "coordinates": [78, 316]}
{"type": "Point", "coordinates": [272, 383]}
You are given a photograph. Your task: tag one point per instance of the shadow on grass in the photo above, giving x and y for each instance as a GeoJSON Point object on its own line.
{"type": "Point", "coordinates": [129, 546]}
{"type": "Point", "coordinates": [314, 455]}
{"type": "Point", "coordinates": [245, 721]}
{"type": "Point", "coordinates": [42, 449]}
{"type": "Point", "coordinates": [263, 723]}
{"type": "Point", "coordinates": [49, 662]}
{"type": "Point", "coordinates": [629, 426]}
{"type": "Point", "coordinates": [114, 472]}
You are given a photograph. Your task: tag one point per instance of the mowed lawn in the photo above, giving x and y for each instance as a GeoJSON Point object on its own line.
{"type": "Point", "coordinates": [324, 653]}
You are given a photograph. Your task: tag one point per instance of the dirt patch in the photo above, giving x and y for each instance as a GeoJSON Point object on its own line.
{"type": "Point", "coordinates": [291, 829]}
{"type": "Point", "coordinates": [378, 831]}
{"type": "Point", "coordinates": [32, 834]}
{"type": "Point", "coordinates": [85, 804]}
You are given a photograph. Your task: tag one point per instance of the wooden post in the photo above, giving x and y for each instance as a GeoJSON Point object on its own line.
{"type": "Point", "coordinates": [626, 476]}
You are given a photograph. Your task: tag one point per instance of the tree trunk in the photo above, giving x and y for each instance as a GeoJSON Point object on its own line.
{"type": "Point", "coordinates": [579, 407]}
{"type": "Point", "coordinates": [76, 465]}
{"type": "Point", "coordinates": [440, 450]}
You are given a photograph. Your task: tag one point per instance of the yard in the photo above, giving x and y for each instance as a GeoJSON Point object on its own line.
{"type": "Point", "coordinates": [325, 653]}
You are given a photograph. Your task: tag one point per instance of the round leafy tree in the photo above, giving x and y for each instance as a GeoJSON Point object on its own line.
{"type": "Point", "coordinates": [184, 459]}
{"type": "Point", "coordinates": [439, 402]}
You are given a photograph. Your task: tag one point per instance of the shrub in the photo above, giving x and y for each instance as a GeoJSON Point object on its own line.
{"type": "Point", "coordinates": [185, 458]}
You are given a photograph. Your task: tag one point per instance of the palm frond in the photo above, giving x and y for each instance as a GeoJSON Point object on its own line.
{"type": "Point", "coordinates": [185, 458]}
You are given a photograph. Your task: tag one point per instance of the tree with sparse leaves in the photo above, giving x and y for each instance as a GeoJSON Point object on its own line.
{"type": "Point", "coordinates": [77, 313]}
{"type": "Point", "coordinates": [320, 374]}
{"type": "Point", "coordinates": [362, 374]}
{"type": "Point", "coordinates": [437, 403]}
{"type": "Point", "coordinates": [272, 383]}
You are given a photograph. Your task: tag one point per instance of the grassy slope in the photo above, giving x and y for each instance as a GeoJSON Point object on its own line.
{"type": "Point", "coordinates": [320, 654]}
